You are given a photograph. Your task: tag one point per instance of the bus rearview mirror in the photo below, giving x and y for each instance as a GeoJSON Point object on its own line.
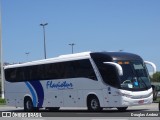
{"type": "Point", "coordinates": [153, 65]}
{"type": "Point", "coordinates": [118, 67]}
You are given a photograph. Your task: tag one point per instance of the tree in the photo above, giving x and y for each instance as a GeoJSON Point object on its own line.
{"type": "Point", "coordinates": [156, 77]}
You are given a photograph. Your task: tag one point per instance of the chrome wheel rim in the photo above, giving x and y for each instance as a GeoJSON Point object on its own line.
{"type": "Point", "coordinates": [94, 104]}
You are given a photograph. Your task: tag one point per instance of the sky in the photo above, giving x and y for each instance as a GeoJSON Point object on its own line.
{"type": "Point", "coordinates": [92, 25]}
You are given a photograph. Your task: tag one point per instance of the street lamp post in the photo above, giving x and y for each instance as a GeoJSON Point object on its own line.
{"type": "Point", "coordinates": [27, 53]}
{"type": "Point", "coordinates": [72, 44]}
{"type": "Point", "coordinates": [43, 25]}
{"type": "Point", "coordinates": [1, 58]}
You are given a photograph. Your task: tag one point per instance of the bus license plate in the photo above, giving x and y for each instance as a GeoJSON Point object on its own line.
{"type": "Point", "coordinates": [141, 101]}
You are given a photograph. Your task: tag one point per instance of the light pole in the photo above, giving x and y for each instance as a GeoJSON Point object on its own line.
{"type": "Point", "coordinates": [72, 44]}
{"type": "Point", "coordinates": [27, 53]}
{"type": "Point", "coordinates": [43, 25]}
{"type": "Point", "coordinates": [1, 59]}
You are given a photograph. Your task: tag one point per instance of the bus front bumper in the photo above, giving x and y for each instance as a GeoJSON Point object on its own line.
{"type": "Point", "coordinates": [137, 102]}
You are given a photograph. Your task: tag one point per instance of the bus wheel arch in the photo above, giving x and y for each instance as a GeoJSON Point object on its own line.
{"type": "Point", "coordinates": [93, 103]}
{"type": "Point", "coordinates": [28, 104]}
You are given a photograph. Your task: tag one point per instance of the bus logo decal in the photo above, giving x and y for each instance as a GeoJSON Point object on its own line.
{"type": "Point", "coordinates": [39, 91]}
{"type": "Point", "coordinates": [33, 93]}
{"type": "Point", "coordinates": [59, 85]}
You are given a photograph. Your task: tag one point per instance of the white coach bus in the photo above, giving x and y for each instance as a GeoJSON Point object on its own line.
{"type": "Point", "coordinates": [94, 80]}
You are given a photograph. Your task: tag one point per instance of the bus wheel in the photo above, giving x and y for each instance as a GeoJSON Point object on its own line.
{"type": "Point", "coordinates": [28, 105]}
{"type": "Point", "coordinates": [159, 105]}
{"type": "Point", "coordinates": [122, 109]}
{"type": "Point", "coordinates": [154, 93]}
{"type": "Point", "coordinates": [93, 104]}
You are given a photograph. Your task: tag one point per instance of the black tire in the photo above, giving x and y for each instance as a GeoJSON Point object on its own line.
{"type": "Point", "coordinates": [159, 106]}
{"type": "Point", "coordinates": [28, 105]}
{"type": "Point", "coordinates": [122, 109]}
{"type": "Point", "coordinates": [154, 94]}
{"type": "Point", "coordinates": [93, 104]}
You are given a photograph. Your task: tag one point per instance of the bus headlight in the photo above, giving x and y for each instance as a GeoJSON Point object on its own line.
{"type": "Point", "coordinates": [124, 94]}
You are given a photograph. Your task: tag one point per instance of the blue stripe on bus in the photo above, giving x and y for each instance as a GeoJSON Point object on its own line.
{"type": "Point", "coordinates": [39, 90]}
{"type": "Point", "coordinates": [33, 94]}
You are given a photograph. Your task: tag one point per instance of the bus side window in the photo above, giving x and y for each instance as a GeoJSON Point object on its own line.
{"type": "Point", "coordinates": [83, 68]}
{"type": "Point", "coordinates": [109, 75]}
{"type": "Point", "coordinates": [20, 74]}
{"type": "Point", "coordinates": [10, 74]}
{"type": "Point", "coordinates": [33, 73]}
{"type": "Point", "coordinates": [40, 72]}
{"type": "Point", "coordinates": [69, 70]}
{"type": "Point", "coordinates": [51, 72]}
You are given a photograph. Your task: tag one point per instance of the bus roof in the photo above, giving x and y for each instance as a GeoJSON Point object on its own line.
{"type": "Point", "coordinates": [60, 58]}
{"type": "Point", "coordinates": [77, 56]}
{"type": "Point", "coordinates": [112, 56]}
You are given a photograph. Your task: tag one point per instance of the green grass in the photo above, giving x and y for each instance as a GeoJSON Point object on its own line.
{"type": "Point", "coordinates": [2, 101]}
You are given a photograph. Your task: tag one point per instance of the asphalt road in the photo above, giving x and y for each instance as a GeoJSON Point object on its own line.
{"type": "Point", "coordinates": [132, 113]}
{"type": "Point", "coordinates": [151, 107]}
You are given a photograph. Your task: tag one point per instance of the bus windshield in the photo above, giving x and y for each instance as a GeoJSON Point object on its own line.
{"type": "Point", "coordinates": [135, 77]}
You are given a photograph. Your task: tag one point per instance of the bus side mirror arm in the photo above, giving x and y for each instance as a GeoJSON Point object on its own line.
{"type": "Point", "coordinates": [153, 65]}
{"type": "Point", "coordinates": [119, 68]}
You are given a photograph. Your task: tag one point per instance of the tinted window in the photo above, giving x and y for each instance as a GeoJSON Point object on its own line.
{"type": "Point", "coordinates": [109, 74]}
{"type": "Point", "coordinates": [135, 76]}
{"type": "Point", "coordinates": [61, 70]}
{"type": "Point", "coordinates": [10, 74]}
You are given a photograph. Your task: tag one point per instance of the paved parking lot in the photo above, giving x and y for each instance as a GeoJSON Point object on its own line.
{"type": "Point", "coordinates": [151, 107]}
{"type": "Point", "coordinates": [83, 114]}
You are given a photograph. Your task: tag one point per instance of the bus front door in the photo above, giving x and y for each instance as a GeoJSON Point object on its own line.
{"type": "Point", "coordinates": [111, 98]}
